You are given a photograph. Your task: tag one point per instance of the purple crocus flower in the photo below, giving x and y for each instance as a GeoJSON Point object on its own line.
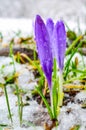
{"type": "Point", "coordinates": [43, 41]}
{"type": "Point", "coordinates": [59, 38]}
{"type": "Point", "coordinates": [51, 43]}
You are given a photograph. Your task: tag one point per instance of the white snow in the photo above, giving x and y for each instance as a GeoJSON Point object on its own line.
{"type": "Point", "coordinates": [25, 79]}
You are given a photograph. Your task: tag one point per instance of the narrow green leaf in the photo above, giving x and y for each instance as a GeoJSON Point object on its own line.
{"type": "Point", "coordinates": [46, 103]}
{"type": "Point", "coordinates": [66, 68]}
{"type": "Point", "coordinates": [73, 44]}
{"type": "Point", "coordinates": [8, 104]}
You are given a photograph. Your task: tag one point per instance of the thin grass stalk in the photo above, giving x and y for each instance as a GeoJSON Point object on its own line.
{"type": "Point", "coordinates": [17, 89]}
{"type": "Point", "coordinates": [19, 105]}
{"type": "Point", "coordinates": [21, 111]}
{"type": "Point", "coordinates": [34, 54]}
{"type": "Point", "coordinates": [46, 103]}
{"type": "Point", "coordinates": [18, 57]}
{"type": "Point", "coordinates": [8, 105]}
{"type": "Point", "coordinates": [11, 55]}
{"type": "Point", "coordinates": [75, 78]}
{"type": "Point", "coordinates": [33, 63]}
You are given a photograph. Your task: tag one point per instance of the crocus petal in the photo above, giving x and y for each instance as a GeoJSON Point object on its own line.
{"type": "Point", "coordinates": [50, 28]}
{"type": "Point", "coordinates": [43, 47]}
{"type": "Point", "coordinates": [59, 36]}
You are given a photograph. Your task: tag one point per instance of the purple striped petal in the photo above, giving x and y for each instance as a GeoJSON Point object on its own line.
{"type": "Point", "coordinates": [60, 43]}
{"type": "Point", "coordinates": [43, 47]}
{"type": "Point", "coordinates": [50, 28]}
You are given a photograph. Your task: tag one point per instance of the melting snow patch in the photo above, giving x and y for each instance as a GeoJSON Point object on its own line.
{"type": "Point", "coordinates": [71, 115]}
{"type": "Point", "coordinates": [25, 79]}
{"type": "Point", "coordinates": [81, 96]}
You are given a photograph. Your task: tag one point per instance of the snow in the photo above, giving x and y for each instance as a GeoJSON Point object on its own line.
{"type": "Point", "coordinates": [25, 78]}
{"type": "Point", "coordinates": [25, 81]}
{"type": "Point", "coordinates": [81, 96]}
{"type": "Point", "coordinates": [15, 25]}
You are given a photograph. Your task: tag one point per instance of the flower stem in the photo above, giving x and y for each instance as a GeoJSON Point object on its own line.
{"type": "Point", "coordinates": [8, 105]}
{"type": "Point", "coordinates": [60, 89]}
{"type": "Point", "coordinates": [51, 99]}
{"type": "Point", "coordinates": [53, 91]}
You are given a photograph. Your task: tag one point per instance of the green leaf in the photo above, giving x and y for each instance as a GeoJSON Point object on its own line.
{"type": "Point", "coordinates": [77, 127]}
{"type": "Point", "coordinates": [66, 68]}
{"type": "Point", "coordinates": [46, 103]}
{"type": "Point", "coordinates": [73, 44]}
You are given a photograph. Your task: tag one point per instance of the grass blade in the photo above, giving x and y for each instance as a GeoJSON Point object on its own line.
{"type": "Point", "coordinates": [46, 103]}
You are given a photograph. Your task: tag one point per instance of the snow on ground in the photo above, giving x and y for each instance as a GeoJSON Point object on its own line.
{"type": "Point", "coordinates": [25, 79]}
{"type": "Point", "coordinates": [77, 115]}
